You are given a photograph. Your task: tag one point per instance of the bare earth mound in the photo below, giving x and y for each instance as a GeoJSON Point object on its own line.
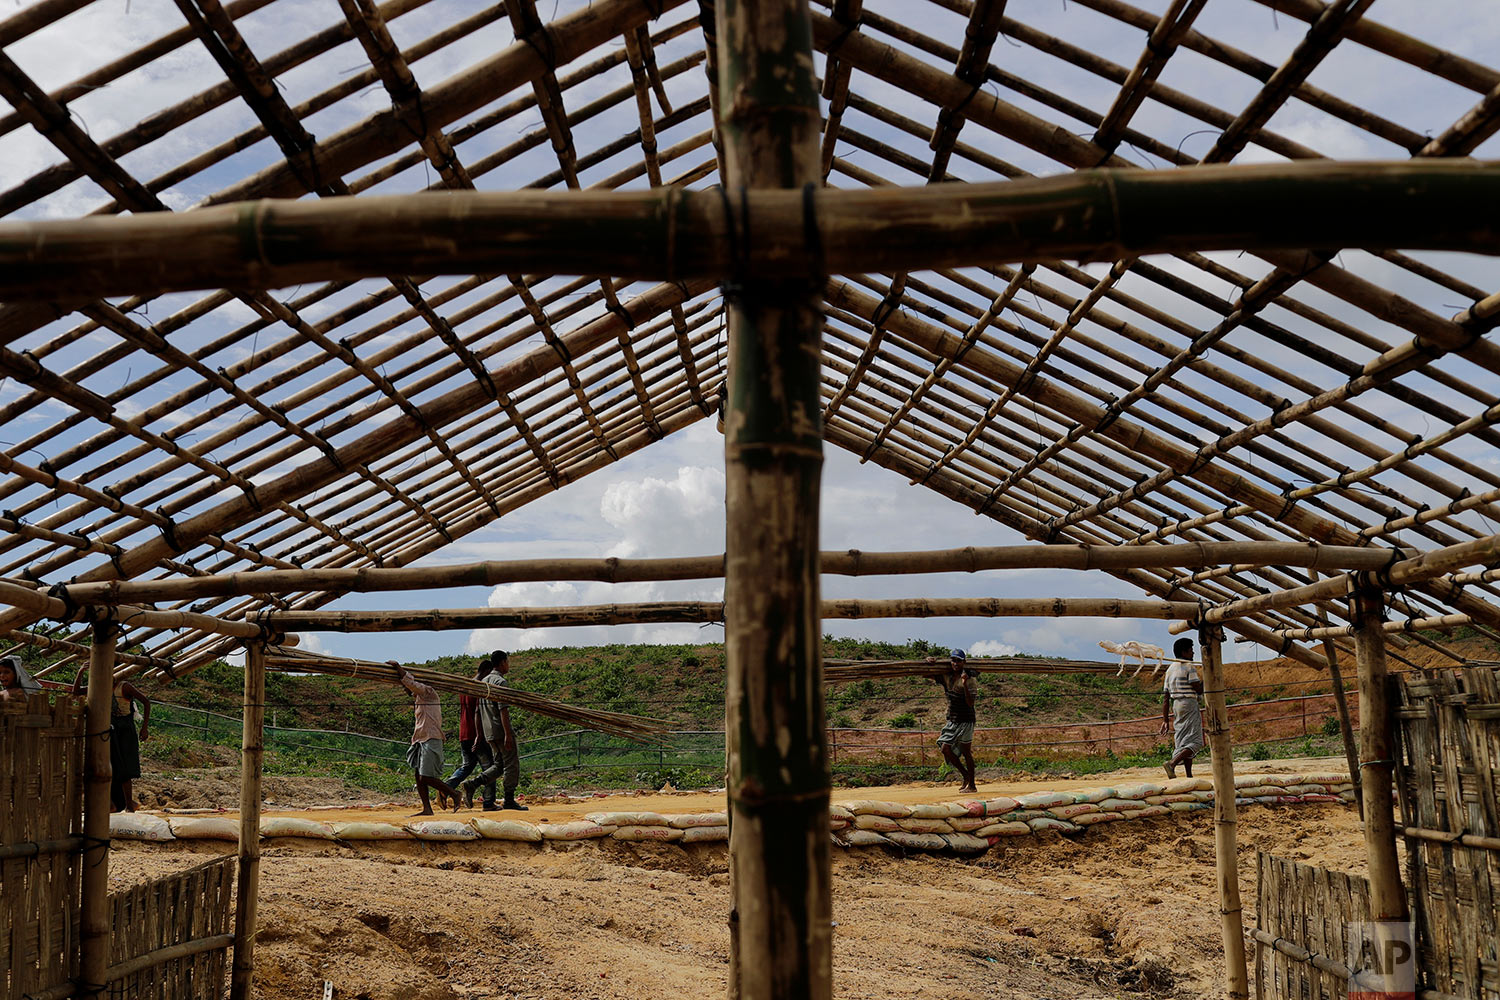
{"type": "Point", "coordinates": [1128, 909]}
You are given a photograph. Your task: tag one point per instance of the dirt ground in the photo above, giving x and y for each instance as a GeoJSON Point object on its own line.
{"type": "Point", "coordinates": [1125, 909]}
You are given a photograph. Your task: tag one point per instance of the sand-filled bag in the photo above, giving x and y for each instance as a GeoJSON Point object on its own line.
{"type": "Point", "coordinates": [937, 810]}
{"type": "Point", "coordinates": [1124, 805]}
{"type": "Point", "coordinates": [1004, 830]}
{"type": "Point", "coordinates": [1306, 789]}
{"type": "Point", "coordinates": [1166, 800]}
{"type": "Point", "coordinates": [990, 807]}
{"type": "Point", "coordinates": [836, 811]}
{"type": "Point", "coordinates": [507, 829]}
{"type": "Point", "coordinates": [627, 819]}
{"type": "Point", "coordinates": [705, 834]}
{"type": "Point", "coordinates": [1094, 795]}
{"type": "Point", "coordinates": [1052, 823]}
{"type": "Point", "coordinates": [1176, 786]}
{"type": "Point", "coordinates": [1074, 810]}
{"type": "Point", "coordinates": [291, 826]}
{"type": "Point", "coordinates": [965, 843]}
{"type": "Point", "coordinates": [880, 824]}
{"type": "Point", "coordinates": [917, 841]}
{"type": "Point", "coordinates": [366, 830]}
{"type": "Point", "coordinates": [581, 829]}
{"type": "Point", "coordinates": [869, 807]}
{"type": "Point", "coordinates": [1022, 815]}
{"type": "Point", "coordinates": [205, 828]}
{"type": "Point", "coordinates": [1147, 812]}
{"type": "Point", "coordinates": [665, 834]}
{"type": "Point", "coordinates": [688, 820]}
{"type": "Point", "coordinates": [968, 824]}
{"type": "Point", "coordinates": [139, 826]}
{"type": "Point", "coordinates": [916, 824]}
{"type": "Point", "coordinates": [1260, 791]}
{"type": "Point", "coordinates": [442, 829]}
{"type": "Point", "coordinates": [1044, 800]}
{"type": "Point", "coordinates": [859, 838]}
{"type": "Point", "coordinates": [1179, 807]}
{"type": "Point", "coordinates": [1090, 819]}
{"type": "Point", "coordinates": [1139, 791]}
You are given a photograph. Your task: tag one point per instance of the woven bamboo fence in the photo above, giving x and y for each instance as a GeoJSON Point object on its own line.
{"type": "Point", "coordinates": [1302, 915]}
{"type": "Point", "coordinates": [41, 745]}
{"type": "Point", "coordinates": [179, 924]}
{"type": "Point", "coordinates": [1448, 782]}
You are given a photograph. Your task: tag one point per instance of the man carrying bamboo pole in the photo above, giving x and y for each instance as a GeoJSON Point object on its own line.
{"type": "Point", "coordinates": [957, 738]}
{"type": "Point", "coordinates": [425, 754]}
{"type": "Point", "coordinates": [494, 719]}
{"type": "Point", "coordinates": [473, 747]}
{"type": "Point", "coordinates": [1180, 713]}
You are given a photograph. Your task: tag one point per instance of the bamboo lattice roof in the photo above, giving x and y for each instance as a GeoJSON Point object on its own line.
{"type": "Point", "coordinates": [1341, 397]}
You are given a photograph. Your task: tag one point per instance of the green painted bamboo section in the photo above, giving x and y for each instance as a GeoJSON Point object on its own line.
{"type": "Point", "coordinates": [670, 234]}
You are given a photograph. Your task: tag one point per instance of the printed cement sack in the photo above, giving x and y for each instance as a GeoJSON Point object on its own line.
{"type": "Point", "coordinates": [866, 807]}
{"type": "Point", "coordinates": [1095, 795]}
{"type": "Point", "coordinates": [1202, 796]}
{"type": "Point", "coordinates": [937, 810]}
{"type": "Point", "coordinates": [507, 829]}
{"type": "Point", "coordinates": [698, 819]}
{"type": "Point", "coordinates": [1182, 807]}
{"type": "Point", "coordinates": [1074, 810]}
{"type": "Point", "coordinates": [1260, 791]}
{"type": "Point", "coordinates": [667, 834]}
{"type": "Point", "coordinates": [968, 824]}
{"type": "Point", "coordinates": [1123, 805]}
{"type": "Point", "coordinates": [577, 830]}
{"type": "Point", "coordinates": [1044, 800]}
{"type": "Point", "coordinates": [288, 826]}
{"type": "Point", "coordinates": [859, 838]}
{"type": "Point", "coordinates": [1347, 795]}
{"type": "Point", "coordinates": [1004, 830]}
{"type": "Point", "coordinates": [917, 841]}
{"type": "Point", "coordinates": [1089, 819]}
{"type": "Point", "coordinates": [1288, 800]}
{"type": "Point", "coordinates": [837, 811]}
{"type": "Point", "coordinates": [1052, 823]}
{"type": "Point", "coordinates": [1147, 812]}
{"type": "Point", "coordinates": [139, 826]}
{"type": "Point", "coordinates": [1177, 786]}
{"type": "Point", "coordinates": [833, 824]}
{"type": "Point", "coordinates": [1138, 791]}
{"type": "Point", "coordinates": [1326, 779]}
{"type": "Point", "coordinates": [880, 824]}
{"type": "Point", "coordinates": [965, 843]}
{"type": "Point", "coordinates": [442, 829]}
{"type": "Point", "coordinates": [369, 831]}
{"type": "Point", "coordinates": [1325, 797]}
{"type": "Point", "coordinates": [1166, 800]}
{"type": "Point", "coordinates": [1306, 789]}
{"type": "Point", "coordinates": [704, 834]}
{"type": "Point", "coordinates": [206, 828]}
{"type": "Point", "coordinates": [916, 824]}
{"type": "Point", "coordinates": [1250, 780]}
{"type": "Point", "coordinates": [1022, 815]}
{"type": "Point", "coordinates": [990, 807]}
{"type": "Point", "coordinates": [627, 819]}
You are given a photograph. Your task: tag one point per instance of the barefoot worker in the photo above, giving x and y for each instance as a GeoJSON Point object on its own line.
{"type": "Point", "coordinates": [957, 738]}
{"type": "Point", "coordinates": [494, 722]}
{"type": "Point", "coordinates": [1179, 709]}
{"type": "Point", "coordinates": [425, 754]}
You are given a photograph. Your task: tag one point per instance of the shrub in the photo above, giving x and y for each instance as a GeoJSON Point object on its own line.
{"type": "Point", "coordinates": [1260, 752]}
{"type": "Point", "coordinates": [905, 720]}
{"type": "Point", "coordinates": [1331, 726]}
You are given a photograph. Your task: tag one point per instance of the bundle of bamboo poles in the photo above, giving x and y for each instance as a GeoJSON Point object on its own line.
{"type": "Point", "coordinates": [845, 671]}
{"type": "Point", "coordinates": [637, 728]}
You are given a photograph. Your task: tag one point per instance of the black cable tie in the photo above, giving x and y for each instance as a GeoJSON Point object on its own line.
{"type": "Point", "coordinates": [1111, 414]}
{"type": "Point", "coordinates": [654, 7]}
{"type": "Point", "coordinates": [1287, 504]}
{"type": "Point", "coordinates": [169, 531]}
{"type": "Point", "coordinates": [622, 313]}
{"type": "Point", "coordinates": [59, 591]}
{"type": "Point", "coordinates": [548, 57]}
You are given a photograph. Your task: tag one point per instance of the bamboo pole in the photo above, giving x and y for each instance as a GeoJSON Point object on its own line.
{"type": "Point", "coordinates": [778, 782]}
{"type": "Point", "coordinates": [94, 930]}
{"type": "Point", "coordinates": [1226, 851]}
{"type": "Point", "coordinates": [1346, 724]}
{"type": "Point", "coordinates": [1389, 628]}
{"type": "Point", "coordinates": [852, 562]}
{"type": "Point", "coordinates": [247, 885]}
{"type": "Point", "coordinates": [671, 234]}
{"type": "Point", "coordinates": [1377, 753]}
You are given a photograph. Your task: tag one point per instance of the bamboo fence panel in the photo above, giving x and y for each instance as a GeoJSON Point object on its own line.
{"type": "Point", "coordinates": [178, 911]}
{"type": "Point", "coordinates": [1302, 915]}
{"type": "Point", "coordinates": [41, 784]}
{"type": "Point", "coordinates": [1448, 784]}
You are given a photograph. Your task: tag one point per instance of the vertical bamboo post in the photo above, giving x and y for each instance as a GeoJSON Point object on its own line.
{"type": "Point", "coordinates": [1226, 848]}
{"type": "Point", "coordinates": [93, 937]}
{"type": "Point", "coordinates": [778, 787]}
{"type": "Point", "coordinates": [1378, 760]}
{"type": "Point", "coordinates": [1346, 725]}
{"type": "Point", "coordinates": [247, 887]}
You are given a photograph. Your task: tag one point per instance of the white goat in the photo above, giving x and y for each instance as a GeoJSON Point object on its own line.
{"type": "Point", "coordinates": [1141, 651]}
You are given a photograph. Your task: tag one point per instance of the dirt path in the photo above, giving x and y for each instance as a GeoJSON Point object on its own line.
{"type": "Point", "coordinates": [1125, 910]}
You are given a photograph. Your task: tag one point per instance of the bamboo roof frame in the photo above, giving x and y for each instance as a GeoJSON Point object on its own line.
{"type": "Point", "coordinates": [361, 423]}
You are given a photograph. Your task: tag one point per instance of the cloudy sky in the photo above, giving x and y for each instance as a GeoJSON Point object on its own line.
{"type": "Point", "coordinates": [668, 500]}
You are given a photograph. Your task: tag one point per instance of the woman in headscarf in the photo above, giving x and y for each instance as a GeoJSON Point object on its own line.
{"type": "Point", "coordinates": [124, 744]}
{"type": "Point", "coordinates": [15, 682]}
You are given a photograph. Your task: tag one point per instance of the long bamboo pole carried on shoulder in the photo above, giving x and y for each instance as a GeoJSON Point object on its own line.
{"type": "Point", "coordinates": [670, 233]}
{"type": "Point", "coordinates": [852, 562]}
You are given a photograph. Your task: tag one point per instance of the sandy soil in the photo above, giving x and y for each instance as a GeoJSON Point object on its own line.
{"type": "Point", "coordinates": [1125, 909]}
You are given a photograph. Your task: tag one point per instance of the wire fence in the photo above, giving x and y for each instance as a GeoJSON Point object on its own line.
{"type": "Point", "coordinates": [1270, 721]}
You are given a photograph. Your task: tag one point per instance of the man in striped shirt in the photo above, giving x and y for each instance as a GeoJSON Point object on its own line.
{"type": "Point", "coordinates": [1179, 708]}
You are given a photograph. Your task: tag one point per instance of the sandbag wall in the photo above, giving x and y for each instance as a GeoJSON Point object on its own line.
{"type": "Point", "coordinates": [965, 826]}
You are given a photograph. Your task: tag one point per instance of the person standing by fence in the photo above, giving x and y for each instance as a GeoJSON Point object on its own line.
{"type": "Point", "coordinates": [957, 738]}
{"type": "Point", "coordinates": [494, 719]}
{"type": "Point", "coordinates": [1179, 709]}
{"type": "Point", "coordinates": [124, 743]}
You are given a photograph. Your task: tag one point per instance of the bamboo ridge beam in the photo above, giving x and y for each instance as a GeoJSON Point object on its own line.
{"type": "Point", "coordinates": [438, 620]}
{"type": "Point", "coordinates": [853, 562]}
{"type": "Point", "coordinates": [671, 234]}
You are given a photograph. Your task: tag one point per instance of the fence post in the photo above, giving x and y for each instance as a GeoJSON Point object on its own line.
{"type": "Point", "coordinates": [1226, 848]}
{"type": "Point", "coordinates": [247, 886]}
{"type": "Point", "coordinates": [94, 929]}
{"type": "Point", "coordinates": [578, 747]}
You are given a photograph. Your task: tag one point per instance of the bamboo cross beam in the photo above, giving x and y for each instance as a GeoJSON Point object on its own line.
{"type": "Point", "coordinates": [1434, 623]}
{"type": "Point", "coordinates": [1429, 566]}
{"type": "Point", "coordinates": [853, 562]}
{"type": "Point", "coordinates": [671, 234]}
{"type": "Point", "coordinates": [708, 612]}
{"type": "Point", "coordinates": [40, 604]}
